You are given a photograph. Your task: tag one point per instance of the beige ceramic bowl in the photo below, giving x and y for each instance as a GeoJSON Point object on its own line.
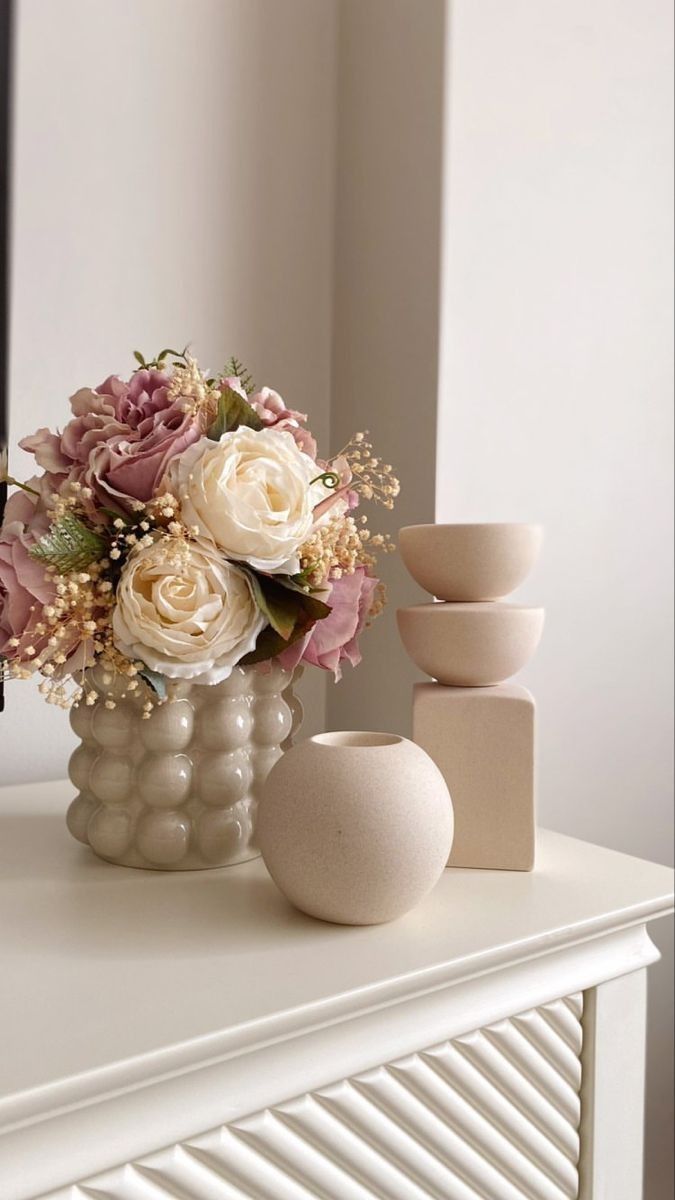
{"type": "Point", "coordinates": [470, 645]}
{"type": "Point", "coordinates": [466, 563]}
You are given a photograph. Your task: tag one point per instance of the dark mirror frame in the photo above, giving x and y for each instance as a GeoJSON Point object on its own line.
{"type": "Point", "coordinates": [6, 30]}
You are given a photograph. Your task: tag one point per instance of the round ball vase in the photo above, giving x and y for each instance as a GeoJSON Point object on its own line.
{"type": "Point", "coordinates": [178, 791]}
{"type": "Point", "coordinates": [355, 828]}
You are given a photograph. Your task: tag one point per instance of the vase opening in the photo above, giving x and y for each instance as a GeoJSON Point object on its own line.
{"type": "Point", "coordinates": [356, 739]}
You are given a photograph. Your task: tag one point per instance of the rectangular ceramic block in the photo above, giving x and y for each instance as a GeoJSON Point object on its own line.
{"type": "Point", "coordinates": [483, 740]}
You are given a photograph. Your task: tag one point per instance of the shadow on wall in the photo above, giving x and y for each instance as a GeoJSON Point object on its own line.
{"type": "Point", "coordinates": [387, 253]}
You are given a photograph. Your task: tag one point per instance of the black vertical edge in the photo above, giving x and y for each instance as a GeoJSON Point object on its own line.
{"type": "Point", "coordinates": [6, 46]}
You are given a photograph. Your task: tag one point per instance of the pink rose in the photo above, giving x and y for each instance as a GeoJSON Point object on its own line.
{"type": "Point", "coordinates": [126, 467]}
{"type": "Point", "coordinates": [336, 639]}
{"type": "Point", "coordinates": [271, 409]}
{"type": "Point", "coordinates": [145, 394]}
{"type": "Point", "coordinates": [121, 438]}
{"type": "Point", "coordinates": [24, 586]}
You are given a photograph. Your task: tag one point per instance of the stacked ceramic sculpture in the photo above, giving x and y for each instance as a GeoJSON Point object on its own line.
{"type": "Point", "coordinates": [479, 729]}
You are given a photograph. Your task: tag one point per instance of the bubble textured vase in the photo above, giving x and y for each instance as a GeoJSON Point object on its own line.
{"type": "Point", "coordinates": [178, 791]}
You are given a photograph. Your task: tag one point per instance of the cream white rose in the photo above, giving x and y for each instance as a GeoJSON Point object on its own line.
{"type": "Point", "coordinates": [251, 493]}
{"type": "Point", "coordinates": [185, 612]}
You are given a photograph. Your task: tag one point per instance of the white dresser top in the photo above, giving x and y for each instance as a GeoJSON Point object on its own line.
{"type": "Point", "coordinates": [103, 964]}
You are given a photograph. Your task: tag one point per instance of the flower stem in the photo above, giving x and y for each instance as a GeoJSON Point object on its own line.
{"type": "Point", "coordinates": [12, 482]}
{"type": "Point", "coordinates": [329, 480]}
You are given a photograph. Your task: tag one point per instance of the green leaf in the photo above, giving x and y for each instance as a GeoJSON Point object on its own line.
{"type": "Point", "coordinates": [276, 604]}
{"type": "Point", "coordinates": [70, 545]}
{"type": "Point", "coordinates": [155, 681]}
{"type": "Point", "coordinates": [139, 358]}
{"type": "Point", "coordinates": [269, 644]}
{"type": "Point", "coordinates": [233, 411]}
{"type": "Point", "coordinates": [291, 583]}
{"type": "Point", "coordinates": [116, 516]}
{"type": "Point", "coordinates": [290, 610]}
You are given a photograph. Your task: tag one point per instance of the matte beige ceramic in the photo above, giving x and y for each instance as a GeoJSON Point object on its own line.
{"type": "Point", "coordinates": [470, 645]}
{"type": "Point", "coordinates": [465, 563]}
{"type": "Point", "coordinates": [483, 741]}
{"type": "Point", "coordinates": [355, 828]}
{"type": "Point", "coordinates": [178, 792]}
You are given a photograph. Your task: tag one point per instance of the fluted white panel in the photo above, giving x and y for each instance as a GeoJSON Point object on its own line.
{"type": "Point", "coordinates": [493, 1115]}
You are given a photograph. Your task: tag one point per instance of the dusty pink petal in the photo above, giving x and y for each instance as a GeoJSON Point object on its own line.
{"type": "Point", "coordinates": [118, 392]}
{"type": "Point", "coordinates": [46, 446]}
{"type": "Point", "coordinates": [233, 382]}
{"type": "Point", "coordinates": [24, 585]}
{"type": "Point", "coordinates": [14, 601]}
{"type": "Point", "coordinates": [124, 435]}
{"type": "Point", "coordinates": [86, 400]}
{"type": "Point", "coordinates": [147, 394]}
{"type": "Point", "coordinates": [272, 408]}
{"type": "Point", "coordinates": [292, 657]}
{"type": "Point", "coordinates": [336, 639]}
{"type": "Point", "coordinates": [305, 441]}
{"type": "Point", "coordinates": [342, 623]}
{"type": "Point", "coordinates": [20, 508]}
{"type": "Point", "coordinates": [137, 470]}
{"type": "Point", "coordinates": [30, 573]}
{"type": "Point", "coordinates": [82, 432]}
{"type": "Point", "coordinates": [352, 650]}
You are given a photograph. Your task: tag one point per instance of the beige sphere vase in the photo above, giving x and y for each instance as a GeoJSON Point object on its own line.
{"type": "Point", "coordinates": [178, 791]}
{"type": "Point", "coordinates": [355, 828]}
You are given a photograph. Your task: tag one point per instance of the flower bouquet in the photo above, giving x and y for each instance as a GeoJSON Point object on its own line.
{"type": "Point", "coordinates": [182, 551]}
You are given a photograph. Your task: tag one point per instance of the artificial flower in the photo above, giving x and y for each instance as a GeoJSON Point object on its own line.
{"type": "Point", "coordinates": [121, 438]}
{"type": "Point", "coordinates": [150, 538]}
{"type": "Point", "coordinates": [252, 494]}
{"type": "Point", "coordinates": [185, 612]}
{"type": "Point", "coordinates": [273, 413]}
{"type": "Point", "coordinates": [24, 587]}
{"type": "Point", "coordinates": [336, 639]}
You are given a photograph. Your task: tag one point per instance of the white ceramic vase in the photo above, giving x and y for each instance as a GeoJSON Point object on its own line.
{"type": "Point", "coordinates": [355, 828]}
{"type": "Point", "coordinates": [180, 790]}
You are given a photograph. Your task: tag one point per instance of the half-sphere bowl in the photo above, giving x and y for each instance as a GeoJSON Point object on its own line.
{"type": "Point", "coordinates": [467, 563]}
{"type": "Point", "coordinates": [470, 645]}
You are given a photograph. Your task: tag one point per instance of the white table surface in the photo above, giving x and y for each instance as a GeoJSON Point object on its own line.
{"type": "Point", "coordinates": [101, 964]}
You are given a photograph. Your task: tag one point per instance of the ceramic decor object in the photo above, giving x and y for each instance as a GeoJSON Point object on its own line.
{"type": "Point", "coordinates": [483, 741]}
{"type": "Point", "coordinates": [466, 563]}
{"type": "Point", "coordinates": [355, 828]}
{"type": "Point", "coordinates": [470, 645]}
{"type": "Point", "coordinates": [179, 791]}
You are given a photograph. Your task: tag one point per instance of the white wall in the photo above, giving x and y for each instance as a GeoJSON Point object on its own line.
{"type": "Point", "coordinates": [173, 180]}
{"type": "Point", "coordinates": [556, 397]}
